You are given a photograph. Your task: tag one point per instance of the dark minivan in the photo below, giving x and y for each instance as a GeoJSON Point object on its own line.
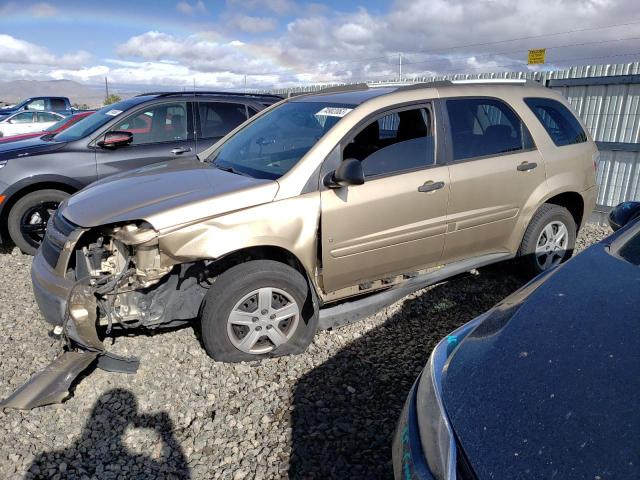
{"type": "Point", "coordinates": [37, 174]}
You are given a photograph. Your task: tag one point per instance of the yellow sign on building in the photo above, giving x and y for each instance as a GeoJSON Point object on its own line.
{"type": "Point", "coordinates": [536, 57]}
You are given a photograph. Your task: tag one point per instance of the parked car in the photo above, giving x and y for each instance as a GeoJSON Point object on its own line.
{"type": "Point", "coordinates": [26, 122]}
{"type": "Point", "coordinates": [37, 174]}
{"type": "Point", "coordinates": [544, 385]}
{"type": "Point", "coordinates": [60, 105]}
{"type": "Point", "coordinates": [315, 212]}
{"type": "Point", "coordinates": [57, 127]}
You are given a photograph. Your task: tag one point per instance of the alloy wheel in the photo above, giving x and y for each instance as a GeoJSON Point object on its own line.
{"type": "Point", "coordinates": [263, 320]}
{"type": "Point", "coordinates": [551, 246]}
{"type": "Point", "coordinates": [33, 222]}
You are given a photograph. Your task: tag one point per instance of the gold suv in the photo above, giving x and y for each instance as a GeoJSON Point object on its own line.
{"type": "Point", "coordinates": [317, 211]}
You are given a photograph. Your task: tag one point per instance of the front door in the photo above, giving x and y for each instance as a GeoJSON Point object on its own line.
{"type": "Point", "coordinates": [161, 132]}
{"type": "Point", "coordinates": [494, 168]}
{"type": "Point", "coordinates": [395, 222]}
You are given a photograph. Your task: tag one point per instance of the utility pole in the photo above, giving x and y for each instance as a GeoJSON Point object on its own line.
{"type": "Point", "coordinates": [106, 86]}
{"type": "Point", "coordinates": [245, 83]}
{"type": "Point", "coordinates": [400, 66]}
{"type": "Point", "coordinates": [194, 84]}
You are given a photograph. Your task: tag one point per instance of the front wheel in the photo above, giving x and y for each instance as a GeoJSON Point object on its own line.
{"type": "Point", "coordinates": [28, 218]}
{"type": "Point", "coordinates": [549, 239]}
{"type": "Point", "coordinates": [258, 309]}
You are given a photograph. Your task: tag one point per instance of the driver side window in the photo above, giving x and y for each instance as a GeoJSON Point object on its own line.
{"type": "Point", "coordinates": [396, 142]}
{"type": "Point", "coordinates": [158, 123]}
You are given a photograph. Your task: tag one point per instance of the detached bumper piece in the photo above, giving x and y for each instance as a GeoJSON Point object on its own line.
{"type": "Point", "coordinates": [52, 384]}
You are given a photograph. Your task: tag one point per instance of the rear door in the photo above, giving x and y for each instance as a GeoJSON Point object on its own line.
{"type": "Point", "coordinates": [495, 168]}
{"type": "Point", "coordinates": [161, 132]}
{"type": "Point", "coordinates": [215, 119]}
{"type": "Point", "coordinates": [395, 222]}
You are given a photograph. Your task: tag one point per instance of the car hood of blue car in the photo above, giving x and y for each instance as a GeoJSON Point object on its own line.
{"type": "Point", "coordinates": [28, 147]}
{"type": "Point", "coordinates": [553, 391]}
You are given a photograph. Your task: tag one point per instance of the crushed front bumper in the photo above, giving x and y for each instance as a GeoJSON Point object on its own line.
{"type": "Point", "coordinates": [51, 291]}
{"type": "Point", "coordinates": [73, 305]}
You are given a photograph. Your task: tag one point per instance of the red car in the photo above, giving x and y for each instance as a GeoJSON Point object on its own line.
{"type": "Point", "coordinates": [52, 130]}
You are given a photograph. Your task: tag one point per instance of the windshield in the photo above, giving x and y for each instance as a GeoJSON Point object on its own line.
{"type": "Point", "coordinates": [272, 144]}
{"type": "Point", "coordinates": [630, 250]}
{"type": "Point", "coordinates": [93, 122]}
{"type": "Point", "coordinates": [57, 125]}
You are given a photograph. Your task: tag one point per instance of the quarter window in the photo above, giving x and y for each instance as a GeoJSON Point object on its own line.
{"type": "Point", "coordinates": [483, 127]}
{"type": "Point", "coordinates": [396, 142]}
{"type": "Point", "coordinates": [158, 123]}
{"type": "Point", "coordinates": [561, 125]}
{"type": "Point", "coordinates": [217, 118]}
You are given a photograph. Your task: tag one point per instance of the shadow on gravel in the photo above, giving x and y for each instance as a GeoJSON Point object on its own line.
{"type": "Point", "coordinates": [100, 452]}
{"type": "Point", "coordinates": [345, 410]}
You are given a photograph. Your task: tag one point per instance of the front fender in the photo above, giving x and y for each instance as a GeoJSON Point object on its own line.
{"type": "Point", "coordinates": [291, 224]}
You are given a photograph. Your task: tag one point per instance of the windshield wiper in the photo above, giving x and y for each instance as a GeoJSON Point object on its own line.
{"type": "Point", "coordinates": [229, 169]}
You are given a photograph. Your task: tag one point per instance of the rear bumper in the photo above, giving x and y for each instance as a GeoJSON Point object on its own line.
{"type": "Point", "coordinates": [590, 197]}
{"type": "Point", "coordinates": [51, 291]}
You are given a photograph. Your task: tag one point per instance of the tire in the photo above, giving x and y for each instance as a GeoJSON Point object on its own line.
{"type": "Point", "coordinates": [24, 228]}
{"type": "Point", "coordinates": [235, 297]}
{"type": "Point", "coordinates": [543, 246]}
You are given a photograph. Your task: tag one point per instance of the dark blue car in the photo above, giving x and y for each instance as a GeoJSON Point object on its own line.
{"type": "Point", "coordinates": [544, 385]}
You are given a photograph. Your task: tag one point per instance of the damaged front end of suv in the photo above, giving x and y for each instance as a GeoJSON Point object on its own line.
{"type": "Point", "coordinates": [115, 278]}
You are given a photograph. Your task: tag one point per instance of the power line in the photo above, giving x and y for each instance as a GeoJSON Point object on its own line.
{"type": "Point", "coordinates": [443, 49]}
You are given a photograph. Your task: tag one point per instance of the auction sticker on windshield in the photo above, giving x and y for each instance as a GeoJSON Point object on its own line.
{"type": "Point", "coordinates": [333, 112]}
{"type": "Point", "coordinates": [113, 112]}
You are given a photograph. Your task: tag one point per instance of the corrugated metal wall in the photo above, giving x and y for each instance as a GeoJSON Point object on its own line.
{"type": "Point", "coordinates": [610, 108]}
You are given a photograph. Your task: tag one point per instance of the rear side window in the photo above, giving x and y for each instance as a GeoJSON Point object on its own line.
{"type": "Point", "coordinates": [561, 125]}
{"type": "Point", "coordinates": [46, 117]}
{"type": "Point", "coordinates": [482, 127]}
{"type": "Point", "coordinates": [58, 104]}
{"type": "Point", "coordinates": [218, 118]}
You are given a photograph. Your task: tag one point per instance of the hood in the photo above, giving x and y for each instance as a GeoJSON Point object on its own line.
{"type": "Point", "coordinates": [552, 391]}
{"type": "Point", "coordinates": [28, 147]}
{"type": "Point", "coordinates": [166, 195]}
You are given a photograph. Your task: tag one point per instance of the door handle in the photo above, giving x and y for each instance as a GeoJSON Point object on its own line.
{"type": "Point", "coordinates": [430, 186]}
{"type": "Point", "coordinates": [525, 166]}
{"type": "Point", "coordinates": [180, 150]}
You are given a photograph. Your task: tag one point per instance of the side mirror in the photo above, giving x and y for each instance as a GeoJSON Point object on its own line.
{"type": "Point", "coordinates": [623, 214]}
{"type": "Point", "coordinates": [348, 173]}
{"type": "Point", "coordinates": [115, 139]}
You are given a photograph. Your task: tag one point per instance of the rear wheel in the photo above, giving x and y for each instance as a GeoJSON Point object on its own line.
{"type": "Point", "coordinates": [28, 218]}
{"type": "Point", "coordinates": [549, 239]}
{"type": "Point", "coordinates": [258, 309]}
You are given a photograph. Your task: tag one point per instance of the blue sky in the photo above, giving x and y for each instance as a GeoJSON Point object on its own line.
{"type": "Point", "coordinates": [284, 42]}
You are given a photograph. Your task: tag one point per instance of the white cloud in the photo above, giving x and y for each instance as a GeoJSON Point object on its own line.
{"type": "Point", "coordinates": [280, 7]}
{"type": "Point", "coordinates": [185, 7]}
{"type": "Point", "coordinates": [43, 9]}
{"type": "Point", "coordinates": [251, 24]}
{"type": "Point", "coordinates": [319, 44]}
{"type": "Point", "coordinates": [13, 50]}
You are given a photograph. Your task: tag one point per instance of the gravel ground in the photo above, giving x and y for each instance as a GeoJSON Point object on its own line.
{"type": "Point", "coordinates": [329, 413]}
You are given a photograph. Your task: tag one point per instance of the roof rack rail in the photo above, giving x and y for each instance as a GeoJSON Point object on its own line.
{"type": "Point", "coordinates": [353, 87]}
{"type": "Point", "coordinates": [211, 92]}
{"type": "Point", "coordinates": [497, 81]}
